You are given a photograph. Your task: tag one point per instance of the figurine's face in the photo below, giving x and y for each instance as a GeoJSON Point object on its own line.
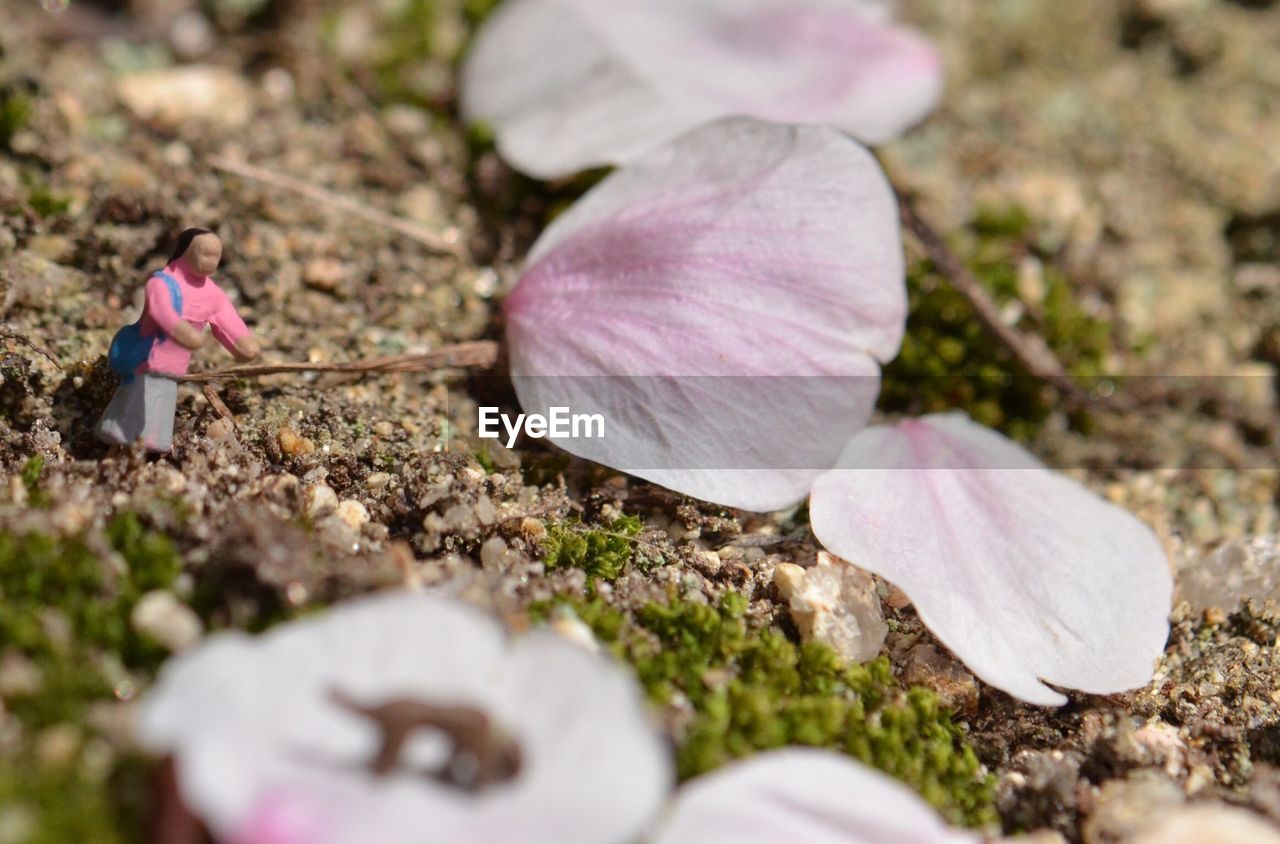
{"type": "Point", "coordinates": [204, 253]}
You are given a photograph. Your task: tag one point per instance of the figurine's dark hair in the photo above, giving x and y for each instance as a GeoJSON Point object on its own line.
{"type": "Point", "coordinates": [184, 242]}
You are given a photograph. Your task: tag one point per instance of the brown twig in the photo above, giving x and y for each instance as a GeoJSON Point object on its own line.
{"type": "Point", "coordinates": [479, 353]}
{"type": "Point", "coordinates": [449, 243]}
{"type": "Point", "coordinates": [1029, 350]}
{"type": "Point", "coordinates": [26, 341]}
{"type": "Point", "coordinates": [218, 405]}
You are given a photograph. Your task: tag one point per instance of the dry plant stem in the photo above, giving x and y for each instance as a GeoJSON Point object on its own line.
{"type": "Point", "coordinates": [479, 353]}
{"type": "Point", "coordinates": [26, 341]}
{"type": "Point", "coordinates": [215, 401]}
{"type": "Point", "coordinates": [1028, 350]}
{"type": "Point", "coordinates": [421, 234]}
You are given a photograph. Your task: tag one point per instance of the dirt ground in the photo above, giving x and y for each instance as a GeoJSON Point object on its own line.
{"type": "Point", "coordinates": [1137, 137]}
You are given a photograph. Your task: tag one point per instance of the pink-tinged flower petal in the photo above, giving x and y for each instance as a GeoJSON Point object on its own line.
{"type": "Point", "coordinates": [740, 284]}
{"type": "Point", "coordinates": [1025, 574]}
{"type": "Point", "coordinates": [557, 101]}
{"type": "Point", "coordinates": [285, 818]}
{"type": "Point", "coordinates": [572, 84]}
{"type": "Point", "coordinates": [803, 795]}
{"type": "Point", "coordinates": [264, 754]}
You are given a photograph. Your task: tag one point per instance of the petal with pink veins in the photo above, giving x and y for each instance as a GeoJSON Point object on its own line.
{"type": "Point", "coordinates": [814, 796]}
{"type": "Point", "coordinates": [573, 84]}
{"type": "Point", "coordinates": [724, 303]}
{"type": "Point", "coordinates": [1025, 574]}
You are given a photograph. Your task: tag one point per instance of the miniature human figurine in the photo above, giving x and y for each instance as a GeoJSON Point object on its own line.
{"type": "Point", "coordinates": [153, 353]}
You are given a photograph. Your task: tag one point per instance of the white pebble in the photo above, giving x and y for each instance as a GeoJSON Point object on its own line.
{"type": "Point", "coordinates": [353, 514]}
{"type": "Point", "coordinates": [160, 615]}
{"type": "Point", "coordinates": [319, 500]}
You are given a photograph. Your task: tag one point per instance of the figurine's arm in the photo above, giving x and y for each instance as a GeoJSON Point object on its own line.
{"type": "Point", "coordinates": [160, 307]}
{"type": "Point", "coordinates": [229, 330]}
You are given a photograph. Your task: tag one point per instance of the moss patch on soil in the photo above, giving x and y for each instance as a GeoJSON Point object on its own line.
{"type": "Point", "coordinates": [948, 361]}
{"type": "Point", "coordinates": [750, 688]}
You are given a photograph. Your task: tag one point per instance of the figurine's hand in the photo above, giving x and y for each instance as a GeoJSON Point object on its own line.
{"type": "Point", "coordinates": [246, 348]}
{"type": "Point", "coordinates": [188, 335]}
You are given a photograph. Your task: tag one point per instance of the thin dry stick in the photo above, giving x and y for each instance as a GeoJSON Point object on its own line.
{"type": "Point", "coordinates": [1029, 350]}
{"type": "Point", "coordinates": [218, 405]}
{"type": "Point", "coordinates": [5, 334]}
{"type": "Point", "coordinates": [449, 243]}
{"type": "Point", "coordinates": [480, 353]}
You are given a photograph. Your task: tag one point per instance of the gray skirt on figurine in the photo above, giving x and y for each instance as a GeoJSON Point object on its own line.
{"type": "Point", "coordinates": [142, 408]}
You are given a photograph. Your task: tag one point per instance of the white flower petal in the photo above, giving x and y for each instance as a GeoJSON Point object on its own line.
{"type": "Point", "coordinates": [571, 84]}
{"type": "Point", "coordinates": [803, 795]}
{"type": "Point", "coordinates": [564, 108]}
{"type": "Point", "coordinates": [262, 749]}
{"type": "Point", "coordinates": [1025, 574]}
{"type": "Point", "coordinates": [740, 285]}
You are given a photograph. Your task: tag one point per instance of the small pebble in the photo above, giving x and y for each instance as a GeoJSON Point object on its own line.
{"type": "Point", "coordinates": [293, 444]}
{"type": "Point", "coordinates": [834, 603]}
{"type": "Point", "coordinates": [493, 554]}
{"type": "Point", "coordinates": [533, 528]}
{"type": "Point", "coordinates": [353, 514]}
{"type": "Point", "coordinates": [1126, 807]}
{"type": "Point", "coordinates": [486, 513]}
{"type": "Point", "coordinates": [58, 745]}
{"type": "Point", "coordinates": [19, 675]}
{"type": "Point", "coordinates": [160, 615]}
{"type": "Point", "coordinates": [460, 517]}
{"type": "Point", "coordinates": [324, 274]}
{"type": "Point", "coordinates": [1210, 825]}
{"type": "Point", "coordinates": [955, 687]}
{"type": "Point", "coordinates": [219, 429]}
{"type": "Point", "coordinates": [176, 96]}
{"type": "Point", "coordinates": [319, 500]}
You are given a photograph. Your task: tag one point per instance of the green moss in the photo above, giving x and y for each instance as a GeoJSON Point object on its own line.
{"type": "Point", "coordinates": [65, 606]}
{"type": "Point", "coordinates": [475, 11]}
{"type": "Point", "coordinates": [41, 574]}
{"type": "Point", "coordinates": [947, 359]}
{"type": "Point", "coordinates": [46, 203]}
{"type": "Point", "coordinates": [15, 113]}
{"type": "Point", "coordinates": [753, 689]}
{"type": "Point", "coordinates": [600, 552]}
{"type": "Point", "coordinates": [486, 460]}
{"type": "Point", "coordinates": [30, 474]}
{"type": "Point", "coordinates": [408, 37]}
{"type": "Point", "coordinates": [64, 803]}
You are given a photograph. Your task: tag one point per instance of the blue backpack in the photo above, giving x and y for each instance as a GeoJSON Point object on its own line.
{"type": "Point", "coordinates": [129, 349]}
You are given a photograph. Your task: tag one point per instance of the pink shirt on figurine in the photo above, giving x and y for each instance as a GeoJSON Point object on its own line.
{"type": "Point", "coordinates": [203, 303]}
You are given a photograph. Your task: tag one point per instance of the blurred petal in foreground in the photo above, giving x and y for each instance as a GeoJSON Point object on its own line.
{"type": "Point", "coordinates": [814, 796]}
{"type": "Point", "coordinates": [1022, 572]}
{"type": "Point", "coordinates": [272, 746]}
{"type": "Point", "coordinates": [724, 303]}
{"type": "Point", "coordinates": [572, 84]}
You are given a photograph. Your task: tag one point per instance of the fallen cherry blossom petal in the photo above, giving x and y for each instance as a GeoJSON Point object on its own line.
{"type": "Point", "coordinates": [723, 303]}
{"type": "Point", "coordinates": [286, 818]}
{"type": "Point", "coordinates": [267, 752]}
{"type": "Point", "coordinates": [573, 84]}
{"type": "Point", "coordinates": [1025, 574]}
{"type": "Point", "coordinates": [801, 794]}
